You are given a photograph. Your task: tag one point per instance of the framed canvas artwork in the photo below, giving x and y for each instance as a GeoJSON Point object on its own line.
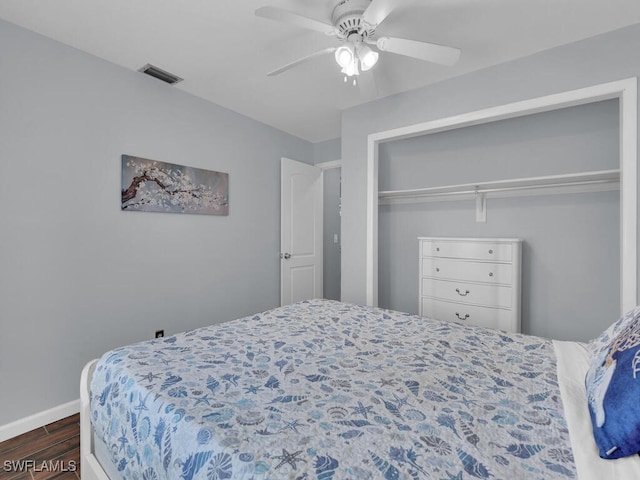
{"type": "Point", "coordinates": [153, 186]}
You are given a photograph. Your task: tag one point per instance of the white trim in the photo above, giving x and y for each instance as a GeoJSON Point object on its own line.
{"type": "Point", "coordinates": [371, 249]}
{"type": "Point", "coordinates": [329, 165]}
{"type": "Point", "coordinates": [38, 420]}
{"type": "Point", "coordinates": [629, 194]}
{"type": "Point", "coordinates": [624, 90]}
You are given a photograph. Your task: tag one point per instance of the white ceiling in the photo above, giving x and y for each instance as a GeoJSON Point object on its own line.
{"type": "Point", "coordinates": [223, 51]}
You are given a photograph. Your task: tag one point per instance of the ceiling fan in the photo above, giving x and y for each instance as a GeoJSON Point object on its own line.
{"type": "Point", "coordinates": [353, 24]}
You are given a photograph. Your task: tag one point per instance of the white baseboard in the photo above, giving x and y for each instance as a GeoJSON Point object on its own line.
{"type": "Point", "coordinates": [39, 419]}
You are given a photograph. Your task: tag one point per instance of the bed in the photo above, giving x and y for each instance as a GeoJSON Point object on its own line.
{"type": "Point", "coordinates": [329, 390]}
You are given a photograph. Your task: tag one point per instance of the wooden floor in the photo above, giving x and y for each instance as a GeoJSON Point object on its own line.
{"type": "Point", "coordinates": [52, 451]}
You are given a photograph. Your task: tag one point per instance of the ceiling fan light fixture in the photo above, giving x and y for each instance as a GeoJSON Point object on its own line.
{"type": "Point", "coordinates": [344, 56]}
{"type": "Point", "coordinates": [352, 68]}
{"type": "Point", "coordinates": [368, 58]}
{"type": "Point", "coordinates": [354, 23]}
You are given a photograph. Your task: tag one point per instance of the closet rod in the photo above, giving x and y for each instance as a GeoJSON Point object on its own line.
{"type": "Point", "coordinates": [503, 189]}
{"type": "Point", "coordinates": [534, 183]}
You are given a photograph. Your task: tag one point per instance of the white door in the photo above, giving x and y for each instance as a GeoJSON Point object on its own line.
{"type": "Point", "coordinates": [301, 232]}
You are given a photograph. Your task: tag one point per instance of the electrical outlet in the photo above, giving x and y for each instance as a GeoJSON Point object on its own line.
{"type": "Point", "coordinates": [159, 333]}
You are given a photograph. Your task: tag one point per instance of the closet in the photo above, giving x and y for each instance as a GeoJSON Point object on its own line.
{"type": "Point", "coordinates": [550, 179]}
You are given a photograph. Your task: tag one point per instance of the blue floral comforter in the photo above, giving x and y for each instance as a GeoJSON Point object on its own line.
{"type": "Point", "coordinates": [327, 390]}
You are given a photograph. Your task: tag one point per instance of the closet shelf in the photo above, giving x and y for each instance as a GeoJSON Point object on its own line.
{"type": "Point", "coordinates": [584, 181]}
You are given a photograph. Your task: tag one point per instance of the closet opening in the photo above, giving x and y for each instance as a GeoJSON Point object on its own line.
{"type": "Point", "coordinates": [550, 179]}
{"type": "Point", "coordinates": [603, 173]}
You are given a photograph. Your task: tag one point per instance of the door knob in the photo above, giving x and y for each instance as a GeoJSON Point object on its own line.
{"type": "Point", "coordinates": [286, 256]}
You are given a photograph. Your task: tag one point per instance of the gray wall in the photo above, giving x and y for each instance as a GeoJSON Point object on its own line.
{"type": "Point", "coordinates": [564, 235]}
{"type": "Point", "coordinates": [600, 59]}
{"type": "Point", "coordinates": [331, 212]}
{"type": "Point", "coordinates": [77, 275]}
{"type": "Point", "coordinates": [328, 151]}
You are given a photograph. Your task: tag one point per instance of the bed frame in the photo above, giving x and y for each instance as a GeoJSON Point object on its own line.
{"type": "Point", "coordinates": [89, 465]}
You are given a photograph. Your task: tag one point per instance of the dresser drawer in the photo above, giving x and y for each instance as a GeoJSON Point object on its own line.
{"type": "Point", "coordinates": [479, 294]}
{"type": "Point", "coordinates": [500, 252]}
{"type": "Point", "coordinates": [470, 315]}
{"type": "Point", "coordinates": [470, 271]}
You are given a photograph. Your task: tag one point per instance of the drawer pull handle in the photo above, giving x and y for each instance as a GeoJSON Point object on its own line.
{"type": "Point", "coordinates": [490, 251]}
{"type": "Point", "coordinates": [437, 269]}
{"type": "Point", "coordinates": [463, 294]}
{"type": "Point", "coordinates": [437, 249]}
{"type": "Point", "coordinates": [491, 274]}
{"type": "Point", "coordinates": [462, 318]}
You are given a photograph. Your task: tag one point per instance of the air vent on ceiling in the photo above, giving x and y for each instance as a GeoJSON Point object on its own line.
{"type": "Point", "coordinates": [160, 74]}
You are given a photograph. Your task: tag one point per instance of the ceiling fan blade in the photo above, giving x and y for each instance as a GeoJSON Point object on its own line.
{"type": "Point", "coordinates": [301, 61]}
{"type": "Point", "coordinates": [275, 13]}
{"type": "Point", "coordinates": [430, 52]}
{"type": "Point", "coordinates": [378, 11]}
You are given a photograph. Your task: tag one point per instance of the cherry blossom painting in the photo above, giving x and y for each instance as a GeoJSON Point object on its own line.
{"type": "Point", "coordinates": [152, 186]}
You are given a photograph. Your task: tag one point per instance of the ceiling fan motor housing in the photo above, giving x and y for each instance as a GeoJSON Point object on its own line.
{"type": "Point", "coordinates": [347, 17]}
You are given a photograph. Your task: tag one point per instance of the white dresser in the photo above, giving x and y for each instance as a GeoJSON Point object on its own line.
{"type": "Point", "coordinates": [471, 280]}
